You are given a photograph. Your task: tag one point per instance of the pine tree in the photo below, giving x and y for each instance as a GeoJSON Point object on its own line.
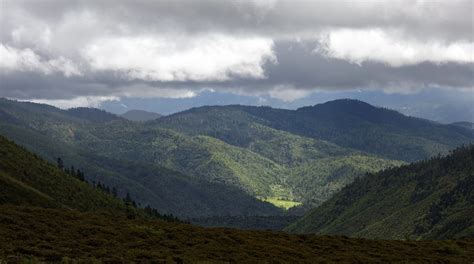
{"type": "Point", "coordinates": [60, 164]}
{"type": "Point", "coordinates": [128, 198]}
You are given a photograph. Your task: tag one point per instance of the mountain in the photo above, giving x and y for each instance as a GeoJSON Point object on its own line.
{"type": "Point", "coordinates": [348, 123]}
{"type": "Point", "coordinates": [240, 156]}
{"type": "Point", "coordinates": [317, 181]}
{"type": "Point", "coordinates": [467, 125]}
{"type": "Point", "coordinates": [282, 149]}
{"type": "Point", "coordinates": [120, 153]}
{"type": "Point", "coordinates": [92, 114]}
{"type": "Point", "coordinates": [140, 115]}
{"type": "Point", "coordinates": [430, 199]}
{"type": "Point", "coordinates": [54, 236]}
{"type": "Point", "coordinates": [28, 180]}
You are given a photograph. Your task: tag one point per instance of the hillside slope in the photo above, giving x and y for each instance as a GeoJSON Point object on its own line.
{"type": "Point", "coordinates": [37, 235]}
{"type": "Point", "coordinates": [117, 152]}
{"type": "Point", "coordinates": [317, 181]}
{"type": "Point", "coordinates": [26, 179]}
{"type": "Point", "coordinates": [428, 199]}
{"type": "Point", "coordinates": [348, 123]}
{"type": "Point", "coordinates": [259, 161]}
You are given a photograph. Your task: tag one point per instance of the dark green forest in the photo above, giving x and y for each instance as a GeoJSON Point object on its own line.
{"type": "Point", "coordinates": [105, 189]}
{"type": "Point", "coordinates": [216, 161]}
{"type": "Point", "coordinates": [429, 199]}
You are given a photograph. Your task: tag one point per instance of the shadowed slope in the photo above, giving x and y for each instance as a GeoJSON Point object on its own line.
{"type": "Point", "coordinates": [54, 235]}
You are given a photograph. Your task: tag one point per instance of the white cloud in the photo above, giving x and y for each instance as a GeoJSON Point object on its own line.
{"type": "Point", "coordinates": [211, 57]}
{"type": "Point", "coordinates": [14, 59]}
{"type": "Point", "coordinates": [287, 93]}
{"type": "Point", "coordinates": [81, 101]}
{"type": "Point", "coordinates": [359, 45]}
{"type": "Point", "coordinates": [193, 45]}
{"type": "Point", "coordinates": [147, 91]}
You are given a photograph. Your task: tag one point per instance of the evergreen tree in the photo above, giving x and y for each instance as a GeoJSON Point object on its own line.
{"type": "Point", "coordinates": [128, 198]}
{"type": "Point", "coordinates": [60, 164]}
{"type": "Point", "coordinates": [72, 171]}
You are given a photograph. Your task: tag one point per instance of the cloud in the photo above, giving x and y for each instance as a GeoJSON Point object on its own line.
{"type": "Point", "coordinates": [13, 59]}
{"type": "Point", "coordinates": [63, 50]}
{"type": "Point", "coordinates": [287, 93]}
{"type": "Point", "coordinates": [389, 47]}
{"type": "Point", "coordinates": [201, 58]}
{"type": "Point", "coordinates": [81, 101]}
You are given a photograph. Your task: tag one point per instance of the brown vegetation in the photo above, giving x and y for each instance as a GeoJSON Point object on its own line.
{"type": "Point", "coordinates": [57, 235]}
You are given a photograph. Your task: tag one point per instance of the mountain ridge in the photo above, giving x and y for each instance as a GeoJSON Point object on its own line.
{"type": "Point", "coordinates": [140, 115]}
{"type": "Point", "coordinates": [219, 139]}
{"type": "Point", "coordinates": [430, 199]}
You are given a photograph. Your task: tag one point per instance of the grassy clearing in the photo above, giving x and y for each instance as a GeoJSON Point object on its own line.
{"type": "Point", "coordinates": [278, 202]}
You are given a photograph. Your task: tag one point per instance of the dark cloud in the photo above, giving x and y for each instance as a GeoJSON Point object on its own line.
{"type": "Point", "coordinates": [67, 49]}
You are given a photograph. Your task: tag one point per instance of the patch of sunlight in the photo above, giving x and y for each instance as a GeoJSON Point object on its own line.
{"type": "Point", "coordinates": [279, 202]}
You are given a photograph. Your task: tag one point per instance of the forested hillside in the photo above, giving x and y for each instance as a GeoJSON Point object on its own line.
{"type": "Point", "coordinates": [140, 116]}
{"type": "Point", "coordinates": [28, 180]}
{"type": "Point", "coordinates": [85, 144]}
{"type": "Point", "coordinates": [215, 161]}
{"type": "Point", "coordinates": [431, 199]}
{"type": "Point", "coordinates": [348, 123]}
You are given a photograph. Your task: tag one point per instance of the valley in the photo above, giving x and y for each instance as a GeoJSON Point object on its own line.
{"type": "Point", "coordinates": [243, 131]}
{"type": "Point", "coordinates": [146, 173]}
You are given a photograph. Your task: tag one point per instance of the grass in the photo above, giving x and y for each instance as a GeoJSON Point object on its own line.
{"type": "Point", "coordinates": [281, 203]}
{"type": "Point", "coordinates": [34, 235]}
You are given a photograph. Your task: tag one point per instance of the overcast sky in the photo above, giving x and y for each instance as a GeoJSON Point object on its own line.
{"type": "Point", "coordinates": [85, 53]}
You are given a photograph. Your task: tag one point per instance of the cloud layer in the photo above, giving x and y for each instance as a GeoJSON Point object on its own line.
{"type": "Point", "coordinates": [86, 52]}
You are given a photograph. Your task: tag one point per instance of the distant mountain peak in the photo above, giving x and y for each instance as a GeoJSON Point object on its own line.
{"type": "Point", "coordinates": [140, 115]}
{"type": "Point", "coordinates": [92, 114]}
{"type": "Point", "coordinates": [345, 103]}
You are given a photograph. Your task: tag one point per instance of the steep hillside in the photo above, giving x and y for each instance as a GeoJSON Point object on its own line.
{"type": "Point", "coordinates": [428, 199]}
{"type": "Point", "coordinates": [315, 182]}
{"type": "Point", "coordinates": [30, 235]}
{"type": "Point", "coordinates": [27, 179]}
{"type": "Point", "coordinates": [120, 153]}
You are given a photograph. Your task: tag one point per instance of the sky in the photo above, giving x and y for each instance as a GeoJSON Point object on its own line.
{"type": "Point", "coordinates": [166, 56]}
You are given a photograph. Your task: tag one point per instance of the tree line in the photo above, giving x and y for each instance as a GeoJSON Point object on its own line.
{"type": "Point", "coordinates": [130, 203]}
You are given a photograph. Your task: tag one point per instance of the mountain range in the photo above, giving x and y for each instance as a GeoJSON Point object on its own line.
{"type": "Point", "coordinates": [86, 184]}
{"type": "Point", "coordinates": [229, 160]}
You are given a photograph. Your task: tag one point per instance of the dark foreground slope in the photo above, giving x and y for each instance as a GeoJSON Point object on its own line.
{"type": "Point", "coordinates": [428, 199]}
{"type": "Point", "coordinates": [55, 235]}
{"type": "Point", "coordinates": [26, 179]}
